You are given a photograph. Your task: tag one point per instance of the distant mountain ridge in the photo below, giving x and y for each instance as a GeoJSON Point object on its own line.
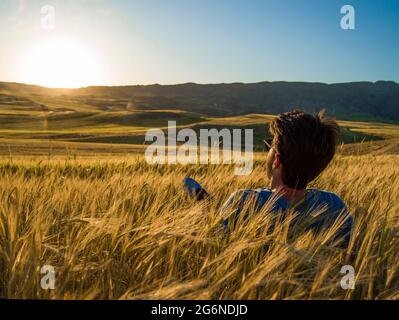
{"type": "Point", "coordinates": [353, 100]}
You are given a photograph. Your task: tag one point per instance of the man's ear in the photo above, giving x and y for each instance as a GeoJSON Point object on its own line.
{"type": "Point", "coordinates": [277, 161]}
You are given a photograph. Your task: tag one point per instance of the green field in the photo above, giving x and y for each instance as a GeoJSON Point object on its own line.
{"type": "Point", "coordinates": [66, 124]}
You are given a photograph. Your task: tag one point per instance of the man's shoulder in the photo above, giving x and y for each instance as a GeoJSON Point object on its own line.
{"type": "Point", "coordinates": [259, 197]}
{"type": "Point", "coordinates": [331, 198]}
{"type": "Point", "coordinates": [252, 193]}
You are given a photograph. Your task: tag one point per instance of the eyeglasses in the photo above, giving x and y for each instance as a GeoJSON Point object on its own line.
{"type": "Point", "coordinates": [268, 144]}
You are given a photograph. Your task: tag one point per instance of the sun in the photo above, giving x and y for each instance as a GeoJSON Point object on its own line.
{"type": "Point", "coordinates": [60, 63]}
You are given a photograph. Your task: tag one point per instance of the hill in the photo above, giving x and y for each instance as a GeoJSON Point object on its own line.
{"type": "Point", "coordinates": [366, 101]}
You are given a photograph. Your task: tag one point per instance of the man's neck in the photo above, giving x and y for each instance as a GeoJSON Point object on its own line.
{"type": "Point", "coordinates": [289, 194]}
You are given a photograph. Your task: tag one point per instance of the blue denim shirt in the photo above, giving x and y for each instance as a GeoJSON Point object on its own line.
{"type": "Point", "coordinates": [334, 207]}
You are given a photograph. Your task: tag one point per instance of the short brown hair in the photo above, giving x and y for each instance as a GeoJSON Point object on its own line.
{"type": "Point", "coordinates": [306, 145]}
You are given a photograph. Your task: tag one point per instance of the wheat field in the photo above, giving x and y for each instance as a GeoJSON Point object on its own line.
{"type": "Point", "coordinates": [119, 228]}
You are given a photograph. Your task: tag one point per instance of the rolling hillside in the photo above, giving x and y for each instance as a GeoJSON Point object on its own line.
{"type": "Point", "coordinates": [37, 120]}
{"type": "Point", "coordinates": [364, 101]}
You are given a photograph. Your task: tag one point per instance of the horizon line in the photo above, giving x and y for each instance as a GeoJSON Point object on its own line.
{"type": "Point", "coordinates": [195, 83]}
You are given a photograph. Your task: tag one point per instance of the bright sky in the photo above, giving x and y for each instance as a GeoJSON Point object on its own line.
{"type": "Point", "coordinates": [119, 42]}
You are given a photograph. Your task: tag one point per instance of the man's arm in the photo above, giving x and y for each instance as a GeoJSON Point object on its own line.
{"type": "Point", "coordinates": [195, 190]}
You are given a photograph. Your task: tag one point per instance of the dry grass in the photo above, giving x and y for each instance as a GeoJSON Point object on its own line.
{"type": "Point", "coordinates": [118, 228]}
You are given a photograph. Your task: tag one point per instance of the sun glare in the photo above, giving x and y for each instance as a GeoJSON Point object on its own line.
{"type": "Point", "coordinates": [60, 63]}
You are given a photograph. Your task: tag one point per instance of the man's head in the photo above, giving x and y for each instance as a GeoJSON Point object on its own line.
{"type": "Point", "coordinates": [302, 147]}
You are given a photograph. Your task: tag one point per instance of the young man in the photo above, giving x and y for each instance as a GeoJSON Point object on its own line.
{"type": "Point", "coordinates": [302, 147]}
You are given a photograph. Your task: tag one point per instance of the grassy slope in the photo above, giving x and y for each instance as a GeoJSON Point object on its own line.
{"type": "Point", "coordinates": [36, 123]}
{"type": "Point", "coordinates": [364, 101]}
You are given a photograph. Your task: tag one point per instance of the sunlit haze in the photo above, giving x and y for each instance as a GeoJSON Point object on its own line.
{"type": "Point", "coordinates": [60, 63]}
